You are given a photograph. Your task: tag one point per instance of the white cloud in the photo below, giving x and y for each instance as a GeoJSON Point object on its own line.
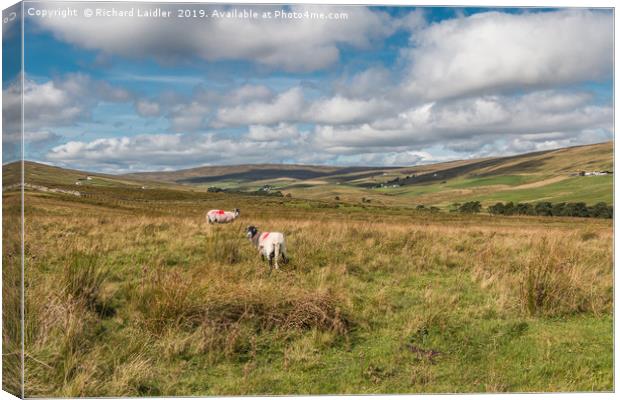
{"type": "Point", "coordinates": [282, 131]}
{"type": "Point", "coordinates": [470, 126]}
{"type": "Point", "coordinates": [486, 118]}
{"type": "Point", "coordinates": [291, 45]}
{"type": "Point", "coordinates": [366, 84]}
{"type": "Point", "coordinates": [494, 51]}
{"type": "Point", "coordinates": [59, 102]}
{"type": "Point", "coordinates": [342, 110]}
{"type": "Point", "coordinates": [188, 117]}
{"type": "Point", "coordinates": [486, 84]}
{"type": "Point", "coordinates": [403, 158]}
{"type": "Point", "coordinates": [149, 152]}
{"type": "Point", "coordinates": [47, 104]}
{"type": "Point", "coordinates": [147, 108]}
{"type": "Point", "coordinates": [542, 141]}
{"type": "Point", "coordinates": [247, 93]}
{"type": "Point", "coordinates": [188, 114]}
{"type": "Point", "coordinates": [286, 106]}
{"type": "Point", "coordinates": [40, 138]}
{"type": "Point", "coordinates": [82, 87]}
{"type": "Point", "coordinates": [291, 106]}
{"type": "Point", "coordinates": [553, 101]}
{"type": "Point", "coordinates": [37, 138]}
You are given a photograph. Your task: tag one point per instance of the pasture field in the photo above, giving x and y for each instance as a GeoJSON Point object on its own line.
{"type": "Point", "coordinates": [130, 293]}
{"type": "Point", "coordinates": [551, 176]}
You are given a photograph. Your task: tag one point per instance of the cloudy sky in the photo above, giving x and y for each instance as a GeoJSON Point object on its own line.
{"type": "Point", "coordinates": [385, 86]}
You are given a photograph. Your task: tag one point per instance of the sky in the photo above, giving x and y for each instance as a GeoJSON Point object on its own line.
{"type": "Point", "coordinates": [380, 86]}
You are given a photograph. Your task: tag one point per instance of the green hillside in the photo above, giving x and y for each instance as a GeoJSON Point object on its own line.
{"type": "Point", "coordinates": [544, 176]}
{"type": "Point", "coordinates": [552, 176]}
{"type": "Point", "coordinates": [56, 177]}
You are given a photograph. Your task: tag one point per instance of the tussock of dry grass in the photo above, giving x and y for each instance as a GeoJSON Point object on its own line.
{"type": "Point", "coordinates": [82, 279]}
{"type": "Point", "coordinates": [167, 298]}
{"type": "Point", "coordinates": [552, 273]}
{"type": "Point", "coordinates": [557, 280]}
{"type": "Point", "coordinates": [270, 308]}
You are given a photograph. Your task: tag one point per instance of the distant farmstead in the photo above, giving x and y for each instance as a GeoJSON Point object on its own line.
{"type": "Point", "coordinates": [595, 173]}
{"type": "Point", "coordinates": [80, 181]}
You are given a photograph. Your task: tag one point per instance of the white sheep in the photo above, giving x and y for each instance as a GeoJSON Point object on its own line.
{"type": "Point", "coordinates": [269, 244]}
{"type": "Point", "coordinates": [221, 216]}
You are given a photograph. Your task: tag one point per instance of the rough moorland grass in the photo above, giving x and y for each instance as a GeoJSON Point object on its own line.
{"type": "Point", "coordinates": [146, 299]}
{"type": "Point", "coordinates": [11, 295]}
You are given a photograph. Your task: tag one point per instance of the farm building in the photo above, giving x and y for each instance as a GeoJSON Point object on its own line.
{"type": "Point", "coordinates": [595, 173]}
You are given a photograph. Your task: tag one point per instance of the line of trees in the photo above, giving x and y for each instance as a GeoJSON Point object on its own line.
{"type": "Point", "coordinates": [259, 192]}
{"type": "Point", "coordinates": [545, 208]}
{"type": "Point", "coordinates": [432, 209]}
{"type": "Point", "coordinates": [470, 207]}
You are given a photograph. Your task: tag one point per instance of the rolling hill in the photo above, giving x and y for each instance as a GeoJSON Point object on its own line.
{"type": "Point", "coordinates": [551, 175]}
{"type": "Point", "coordinates": [256, 172]}
{"type": "Point", "coordinates": [51, 176]}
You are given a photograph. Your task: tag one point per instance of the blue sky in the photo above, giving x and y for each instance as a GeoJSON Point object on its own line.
{"type": "Point", "coordinates": [11, 66]}
{"type": "Point", "coordinates": [385, 86]}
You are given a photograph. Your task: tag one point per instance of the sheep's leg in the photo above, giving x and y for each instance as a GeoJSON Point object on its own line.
{"type": "Point", "coordinates": [283, 252]}
{"type": "Point", "coordinates": [276, 257]}
{"type": "Point", "coordinates": [276, 254]}
{"type": "Point", "coordinates": [273, 259]}
{"type": "Point", "coordinates": [270, 263]}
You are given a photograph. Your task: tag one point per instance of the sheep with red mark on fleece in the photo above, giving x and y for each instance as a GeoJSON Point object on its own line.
{"type": "Point", "coordinates": [269, 244]}
{"type": "Point", "coordinates": [221, 216]}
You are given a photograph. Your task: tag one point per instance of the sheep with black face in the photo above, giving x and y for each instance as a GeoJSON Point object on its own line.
{"type": "Point", "coordinates": [269, 244]}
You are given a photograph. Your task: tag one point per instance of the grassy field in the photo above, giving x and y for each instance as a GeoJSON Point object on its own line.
{"type": "Point", "coordinates": [11, 293]}
{"type": "Point", "coordinates": [130, 292]}
{"type": "Point", "coordinates": [532, 177]}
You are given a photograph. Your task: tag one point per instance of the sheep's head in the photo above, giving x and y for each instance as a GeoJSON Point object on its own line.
{"type": "Point", "coordinates": [237, 211]}
{"type": "Point", "coordinates": [251, 231]}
